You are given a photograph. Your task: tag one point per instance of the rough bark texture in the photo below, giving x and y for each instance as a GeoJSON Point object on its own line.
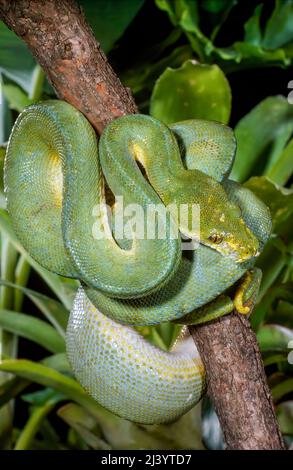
{"type": "Point", "coordinates": [237, 383]}
{"type": "Point", "coordinates": [65, 47]}
{"type": "Point", "coordinates": [62, 42]}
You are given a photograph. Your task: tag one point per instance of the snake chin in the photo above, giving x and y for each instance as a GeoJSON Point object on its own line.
{"type": "Point", "coordinates": [230, 247]}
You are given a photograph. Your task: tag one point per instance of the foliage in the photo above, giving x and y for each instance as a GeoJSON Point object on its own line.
{"type": "Point", "coordinates": [259, 46]}
{"type": "Point", "coordinates": [199, 89]}
{"type": "Point", "coordinates": [184, 74]}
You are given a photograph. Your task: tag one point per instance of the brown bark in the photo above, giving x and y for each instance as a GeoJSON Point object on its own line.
{"type": "Point", "coordinates": [63, 44]}
{"type": "Point", "coordinates": [65, 47]}
{"type": "Point", "coordinates": [237, 383]}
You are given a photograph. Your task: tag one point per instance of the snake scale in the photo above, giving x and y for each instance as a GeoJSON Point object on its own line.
{"type": "Point", "coordinates": [54, 177]}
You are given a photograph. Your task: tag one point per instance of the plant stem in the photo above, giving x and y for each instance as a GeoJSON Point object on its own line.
{"type": "Point", "coordinates": [32, 426]}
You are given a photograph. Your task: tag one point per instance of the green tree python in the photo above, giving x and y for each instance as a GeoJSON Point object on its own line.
{"type": "Point", "coordinates": [54, 178]}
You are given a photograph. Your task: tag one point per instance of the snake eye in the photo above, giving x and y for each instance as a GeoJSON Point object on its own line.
{"type": "Point", "coordinates": [216, 238]}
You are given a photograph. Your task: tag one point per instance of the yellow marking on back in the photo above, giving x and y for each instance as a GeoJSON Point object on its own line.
{"type": "Point", "coordinates": [56, 178]}
{"type": "Point", "coordinates": [138, 153]}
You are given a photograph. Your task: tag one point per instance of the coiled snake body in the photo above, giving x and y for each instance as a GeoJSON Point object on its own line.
{"type": "Point", "coordinates": [54, 178]}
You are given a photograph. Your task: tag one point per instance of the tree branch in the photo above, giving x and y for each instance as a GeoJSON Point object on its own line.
{"type": "Point", "coordinates": [64, 45]}
{"type": "Point", "coordinates": [237, 383]}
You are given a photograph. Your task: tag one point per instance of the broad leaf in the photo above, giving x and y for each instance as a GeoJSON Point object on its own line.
{"type": "Point", "coordinates": [248, 53]}
{"type": "Point", "coordinates": [191, 91]}
{"type": "Point", "coordinates": [278, 199]}
{"type": "Point", "coordinates": [252, 27]}
{"type": "Point", "coordinates": [261, 136]}
{"type": "Point", "coordinates": [279, 28]}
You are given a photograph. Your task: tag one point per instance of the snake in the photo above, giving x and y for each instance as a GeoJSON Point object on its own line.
{"type": "Point", "coordinates": [57, 174]}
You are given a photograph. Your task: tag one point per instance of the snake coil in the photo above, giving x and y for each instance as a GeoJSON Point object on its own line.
{"type": "Point", "coordinates": [54, 180]}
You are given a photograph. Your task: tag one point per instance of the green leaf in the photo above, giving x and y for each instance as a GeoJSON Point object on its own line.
{"type": "Point", "coordinates": [33, 329]}
{"type": "Point", "coordinates": [191, 91]}
{"type": "Point", "coordinates": [53, 310]}
{"type": "Point", "coordinates": [271, 261]}
{"type": "Point", "coordinates": [251, 55]}
{"type": "Point", "coordinates": [252, 27]}
{"type": "Point", "coordinates": [9, 258]}
{"type": "Point", "coordinates": [31, 427]}
{"type": "Point", "coordinates": [278, 199]}
{"type": "Point", "coordinates": [279, 28]}
{"type": "Point", "coordinates": [275, 358]}
{"type": "Point", "coordinates": [64, 289]}
{"type": "Point", "coordinates": [241, 54]}
{"type": "Point", "coordinates": [16, 61]}
{"type": "Point", "coordinates": [17, 99]}
{"type": "Point", "coordinates": [58, 362]}
{"type": "Point", "coordinates": [189, 16]}
{"type": "Point", "coordinates": [41, 397]}
{"type": "Point", "coordinates": [265, 310]}
{"type": "Point", "coordinates": [49, 377]}
{"type": "Point", "coordinates": [175, 8]}
{"type": "Point", "coordinates": [282, 169]}
{"type": "Point", "coordinates": [261, 136]}
{"type": "Point", "coordinates": [274, 337]}
{"type": "Point", "coordinates": [12, 387]}
{"type": "Point", "coordinates": [120, 433]}
{"type": "Point", "coordinates": [109, 18]}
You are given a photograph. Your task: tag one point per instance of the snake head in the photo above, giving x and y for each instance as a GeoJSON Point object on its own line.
{"type": "Point", "coordinates": [227, 233]}
{"type": "Point", "coordinates": [221, 225]}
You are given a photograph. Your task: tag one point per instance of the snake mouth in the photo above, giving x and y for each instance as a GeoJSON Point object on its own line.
{"type": "Point", "coordinates": [240, 253]}
{"type": "Point", "coordinates": [245, 253]}
{"type": "Point", "coordinates": [246, 256]}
